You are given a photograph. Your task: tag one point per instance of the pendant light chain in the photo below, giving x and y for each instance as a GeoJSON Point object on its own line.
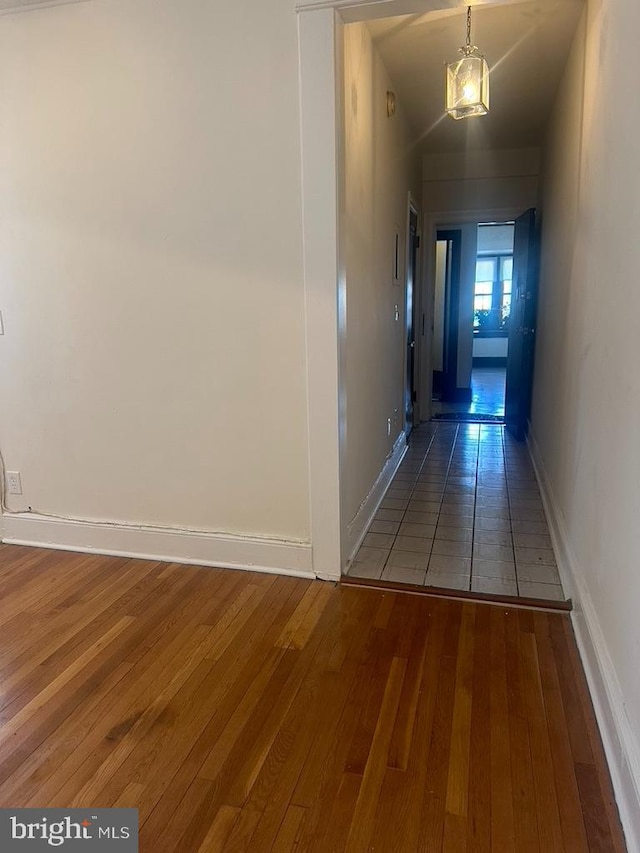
{"type": "Point", "coordinates": [468, 26]}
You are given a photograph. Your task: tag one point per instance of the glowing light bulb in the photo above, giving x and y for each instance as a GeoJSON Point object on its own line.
{"type": "Point", "coordinates": [470, 93]}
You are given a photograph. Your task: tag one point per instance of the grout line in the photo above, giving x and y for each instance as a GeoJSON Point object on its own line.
{"type": "Point", "coordinates": [444, 491]}
{"type": "Point", "coordinates": [451, 438]}
{"type": "Point", "coordinates": [475, 505]}
{"type": "Point", "coordinates": [404, 512]}
{"type": "Point", "coordinates": [513, 543]}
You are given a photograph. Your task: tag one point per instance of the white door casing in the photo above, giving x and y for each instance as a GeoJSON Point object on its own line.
{"type": "Point", "coordinates": [320, 47]}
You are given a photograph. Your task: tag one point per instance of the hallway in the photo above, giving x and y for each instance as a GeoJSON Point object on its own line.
{"type": "Point", "coordinates": [464, 513]}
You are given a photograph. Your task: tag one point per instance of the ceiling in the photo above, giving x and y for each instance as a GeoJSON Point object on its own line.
{"type": "Point", "coordinates": [526, 45]}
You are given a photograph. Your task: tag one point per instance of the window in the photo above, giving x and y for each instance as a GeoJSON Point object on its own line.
{"type": "Point", "coordinates": [492, 292]}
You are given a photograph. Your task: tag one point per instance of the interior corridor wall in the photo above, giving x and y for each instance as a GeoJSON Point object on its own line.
{"type": "Point", "coordinates": [151, 285]}
{"type": "Point", "coordinates": [586, 404]}
{"type": "Point", "coordinates": [380, 168]}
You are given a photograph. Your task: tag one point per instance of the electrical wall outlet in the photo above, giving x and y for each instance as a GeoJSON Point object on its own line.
{"type": "Point", "coordinates": [14, 483]}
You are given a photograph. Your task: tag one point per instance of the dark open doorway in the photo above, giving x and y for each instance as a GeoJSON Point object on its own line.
{"type": "Point", "coordinates": [447, 315]}
{"type": "Point", "coordinates": [522, 326]}
{"type": "Point", "coordinates": [411, 317]}
{"type": "Point", "coordinates": [474, 276]}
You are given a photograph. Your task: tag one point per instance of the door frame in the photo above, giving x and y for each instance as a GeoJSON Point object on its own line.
{"type": "Point", "coordinates": [522, 339]}
{"type": "Point", "coordinates": [320, 39]}
{"type": "Point", "coordinates": [451, 319]}
{"type": "Point", "coordinates": [413, 208]}
{"type": "Point", "coordinates": [434, 221]}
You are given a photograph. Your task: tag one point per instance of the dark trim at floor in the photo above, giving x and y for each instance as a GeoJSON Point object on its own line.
{"type": "Point", "coordinates": [492, 361]}
{"type": "Point", "coordinates": [444, 592]}
{"type": "Point", "coordinates": [468, 418]}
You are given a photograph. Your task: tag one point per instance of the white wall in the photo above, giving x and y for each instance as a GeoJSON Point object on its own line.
{"type": "Point", "coordinates": [153, 362]}
{"type": "Point", "coordinates": [380, 170]}
{"type": "Point", "coordinates": [439, 286]}
{"type": "Point", "coordinates": [490, 347]}
{"type": "Point", "coordinates": [586, 405]}
{"type": "Point", "coordinates": [465, 309]}
{"type": "Point", "coordinates": [481, 180]}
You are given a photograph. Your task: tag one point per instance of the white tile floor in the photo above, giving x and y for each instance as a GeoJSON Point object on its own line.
{"type": "Point", "coordinates": [463, 512]}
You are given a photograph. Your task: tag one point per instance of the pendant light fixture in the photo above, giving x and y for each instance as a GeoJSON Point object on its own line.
{"type": "Point", "coordinates": [468, 81]}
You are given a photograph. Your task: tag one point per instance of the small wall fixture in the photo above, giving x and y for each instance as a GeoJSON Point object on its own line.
{"type": "Point", "coordinates": [468, 81]}
{"type": "Point", "coordinates": [391, 104]}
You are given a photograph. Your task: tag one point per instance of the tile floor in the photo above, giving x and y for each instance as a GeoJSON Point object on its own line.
{"type": "Point", "coordinates": [463, 512]}
{"type": "Point", "coordinates": [487, 394]}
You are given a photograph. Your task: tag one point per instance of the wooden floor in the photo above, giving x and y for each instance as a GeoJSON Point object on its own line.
{"type": "Point", "coordinates": [240, 711]}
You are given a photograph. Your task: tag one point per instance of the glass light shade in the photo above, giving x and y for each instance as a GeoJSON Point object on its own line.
{"type": "Point", "coordinates": [468, 87]}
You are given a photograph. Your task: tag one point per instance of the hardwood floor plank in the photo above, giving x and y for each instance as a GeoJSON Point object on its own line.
{"type": "Point", "coordinates": [290, 830]}
{"type": "Point", "coordinates": [138, 690]}
{"type": "Point", "coordinates": [362, 822]}
{"type": "Point", "coordinates": [615, 835]}
{"type": "Point", "coordinates": [384, 646]}
{"type": "Point", "coordinates": [227, 684]}
{"type": "Point", "coordinates": [595, 813]}
{"type": "Point", "coordinates": [265, 762]}
{"type": "Point", "coordinates": [66, 633]}
{"type": "Point", "coordinates": [276, 784]}
{"type": "Point", "coordinates": [522, 785]}
{"type": "Point", "coordinates": [129, 797]}
{"type": "Point", "coordinates": [315, 767]}
{"type": "Point", "coordinates": [13, 722]}
{"type": "Point", "coordinates": [573, 709]}
{"type": "Point", "coordinates": [418, 779]}
{"type": "Point", "coordinates": [149, 718]}
{"type": "Point", "coordinates": [25, 783]}
{"type": "Point", "coordinates": [247, 712]}
{"type": "Point", "coordinates": [332, 833]}
{"type": "Point", "coordinates": [571, 817]}
{"type": "Point", "coordinates": [502, 799]}
{"type": "Point", "coordinates": [303, 621]}
{"type": "Point", "coordinates": [221, 828]}
{"type": "Point", "coordinates": [455, 833]}
{"type": "Point", "coordinates": [549, 831]}
{"type": "Point", "coordinates": [389, 828]}
{"type": "Point", "coordinates": [478, 826]}
{"type": "Point", "coordinates": [458, 779]}
{"type": "Point", "coordinates": [436, 778]}
{"type": "Point", "coordinates": [326, 810]}
{"type": "Point", "coordinates": [415, 651]}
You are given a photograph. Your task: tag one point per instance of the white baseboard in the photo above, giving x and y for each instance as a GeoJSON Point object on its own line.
{"type": "Point", "coordinates": [276, 556]}
{"type": "Point", "coordinates": [359, 524]}
{"type": "Point", "coordinates": [620, 743]}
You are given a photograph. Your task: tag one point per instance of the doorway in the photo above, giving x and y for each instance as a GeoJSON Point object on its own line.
{"type": "Point", "coordinates": [322, 114]}
{"type": "Point", "coordinates": [472, 304]}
